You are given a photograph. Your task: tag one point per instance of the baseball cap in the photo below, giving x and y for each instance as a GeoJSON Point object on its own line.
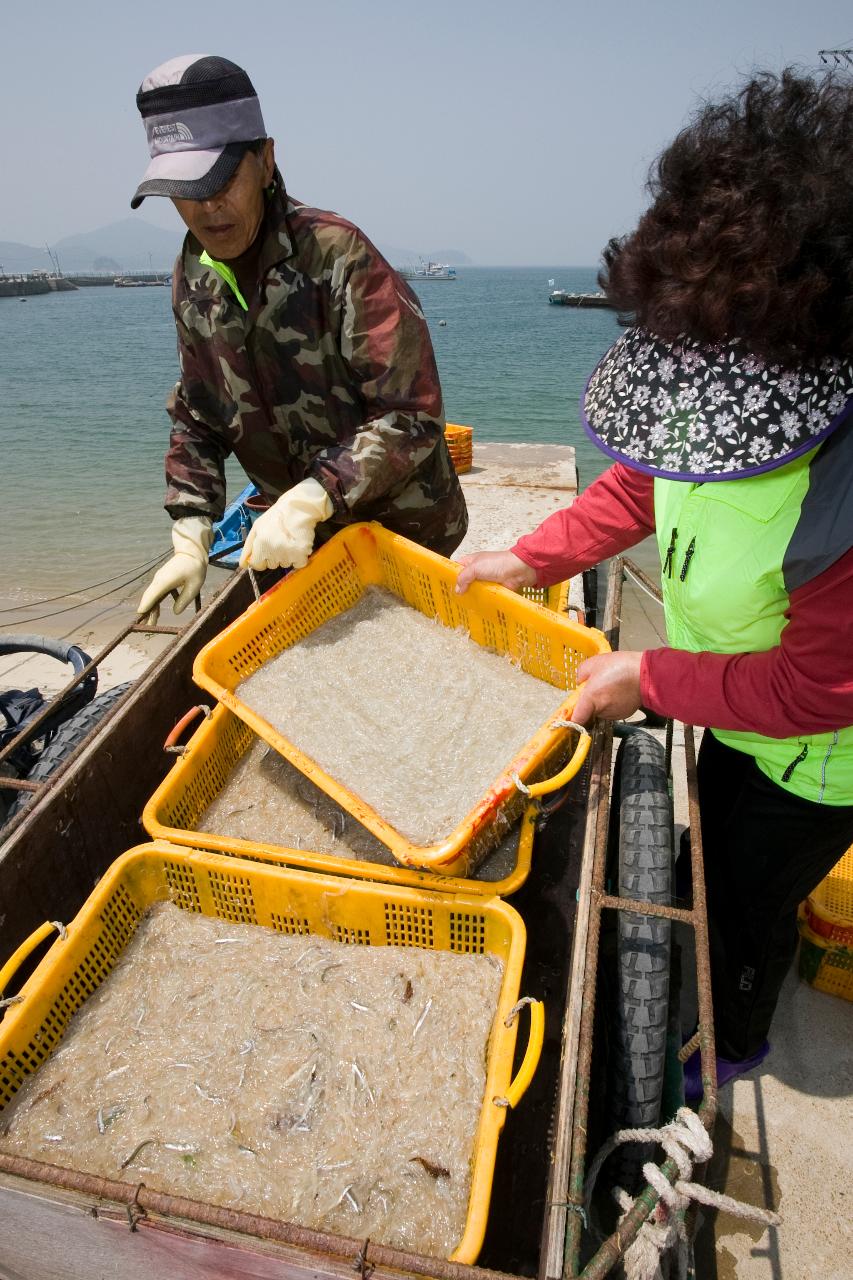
{"type": "Point", "coordinates": [200, 113]}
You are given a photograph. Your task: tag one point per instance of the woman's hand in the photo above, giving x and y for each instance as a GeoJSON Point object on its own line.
{"type": "Point", "coordinates": [495, 566]}
{"type": "Point", "coordinates": [611, 687]}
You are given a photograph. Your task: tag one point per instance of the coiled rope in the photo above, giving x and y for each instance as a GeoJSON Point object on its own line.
{"type": "Point", "coordinates": [687, 1142]}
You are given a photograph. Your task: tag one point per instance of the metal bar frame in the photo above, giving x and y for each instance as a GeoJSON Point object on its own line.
{"type": "Point", "coordinates": [359, 1255]}
{"type": "Point", "coordinates": [33, 727]}
{"type": "Point", "coordinates": [566, 1191]}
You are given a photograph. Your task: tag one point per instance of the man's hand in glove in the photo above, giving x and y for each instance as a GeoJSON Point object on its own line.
{"type": "Point", "coordinates": [184, 573]}
{"type": "Point", "coordinates": [283, 537]}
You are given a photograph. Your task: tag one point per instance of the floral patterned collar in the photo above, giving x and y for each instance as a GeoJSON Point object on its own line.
{"type": "Point", "coordinates": [688, 412]}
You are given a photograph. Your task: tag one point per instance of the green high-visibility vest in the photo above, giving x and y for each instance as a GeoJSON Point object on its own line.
{"type": "Point", "coordinates": [731, 553]}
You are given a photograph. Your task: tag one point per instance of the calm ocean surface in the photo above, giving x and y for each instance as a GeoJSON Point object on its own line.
{"type": "Point", "coordinates": [83, 429]}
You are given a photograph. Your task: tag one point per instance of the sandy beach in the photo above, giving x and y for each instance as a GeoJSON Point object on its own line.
{"type": "Point", "coordinates": [87, 624]}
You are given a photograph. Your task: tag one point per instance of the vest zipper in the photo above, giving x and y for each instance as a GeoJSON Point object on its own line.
{"type": "Point", "coordinates": [688, 557]}
{"type": "Point", "coordinates": [786, 776]}
{"type": "Point", "coordinates": [667, 564]}
{"type": "Point", "coordinates": [824, 763]}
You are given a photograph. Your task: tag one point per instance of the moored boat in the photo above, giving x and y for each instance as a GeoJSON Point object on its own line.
{"type": "Point", "coordinates": [562, 298]}
{"type": "Point", "coordinates": [428, 271]}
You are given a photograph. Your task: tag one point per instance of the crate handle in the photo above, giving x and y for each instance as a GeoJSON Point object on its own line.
{"type": "Point", "coordinates": [568, 771]}
{"type": "Point", "coordinates": [532, 1053]}
{"type": "Point", "coordinates": [13, 964]}
{"type": "Point", "coordinates": [171, 743]}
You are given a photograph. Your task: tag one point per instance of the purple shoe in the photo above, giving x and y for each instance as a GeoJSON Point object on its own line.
{"type": "Point", "coordinates": [726, 1071]}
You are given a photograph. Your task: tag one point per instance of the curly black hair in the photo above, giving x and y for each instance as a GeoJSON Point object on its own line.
{"type": "Point", "coordinates": [750, 232]}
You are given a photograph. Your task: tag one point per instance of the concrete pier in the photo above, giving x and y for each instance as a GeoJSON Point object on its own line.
{"type": "Point", "coordinates": [32, 285]}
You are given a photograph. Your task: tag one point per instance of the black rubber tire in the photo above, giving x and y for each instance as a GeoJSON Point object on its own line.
{"type": "Point", "coordinates": [67, 739]}
{"type": "Point", "coordinates": [643, 832]}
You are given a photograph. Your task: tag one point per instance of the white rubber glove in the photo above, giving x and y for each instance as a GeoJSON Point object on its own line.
{"type": "Point", "coordinates": [184, 573]}
{"type": "Point", "coordinates": [283, 537]}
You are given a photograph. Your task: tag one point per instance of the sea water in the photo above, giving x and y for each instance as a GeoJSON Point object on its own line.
{"type": "Point", "coordinates": [83, 427]}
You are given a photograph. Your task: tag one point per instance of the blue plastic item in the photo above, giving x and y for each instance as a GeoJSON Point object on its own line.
{"type": "Point", "coordinates": [231, 531]}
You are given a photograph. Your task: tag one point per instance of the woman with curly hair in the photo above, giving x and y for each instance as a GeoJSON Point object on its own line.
{"type": "Point", "coordinates": [728, 411]}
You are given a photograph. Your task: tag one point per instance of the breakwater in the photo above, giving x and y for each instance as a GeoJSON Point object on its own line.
{"type": "Point", "coordinates": [38, 282]}
{"type": "Point", "coordinates": [96, 279]}
{"type": "Point", "coordinates": [30, 285]}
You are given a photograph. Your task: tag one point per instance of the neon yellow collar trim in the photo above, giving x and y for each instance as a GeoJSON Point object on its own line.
{"type": "Point", "coordinates": [226, 274]}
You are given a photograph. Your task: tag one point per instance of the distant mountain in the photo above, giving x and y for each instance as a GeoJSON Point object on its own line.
{"type": "Point", "coordinates": [128, 245]}
{"type": "Point", "coordinates": [395, 255]}
{"type": "Point", "coordinates": [453, 257]}
{"type": "Point", "coordinates": [132, 244]}
{"type": "Point", "coordinates": [16, 259]}
{"type": "Point", "coordinates": [411, 257]}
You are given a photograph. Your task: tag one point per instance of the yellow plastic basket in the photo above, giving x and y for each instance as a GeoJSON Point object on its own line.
{"type": "Point", "coordinates": [824, 964]}
{"type": "Point", "coordinates": [203, 769]}
{"type": "Point", "coordinates": [829, 908]}
{"type": "Point", "coordinates": [460, 445]}
{"type": "Point", "coordinates": [544, 644]}
{"type": "Point", "coordinates": [555, 598]}
{"type": "Point", "coordinates": [292, 902]}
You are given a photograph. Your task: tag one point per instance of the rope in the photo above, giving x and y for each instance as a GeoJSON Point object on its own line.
{"type": "Point", "coordinates": [637, 583]}
{"type": "Point", "coordinates": [78, 591]}
{"type": "Point", "coordinates": [570, 724]}
{"type": "Point", "coordinates": [83, 603]}
{"type": "Point", "coordinates": [686, 1141]}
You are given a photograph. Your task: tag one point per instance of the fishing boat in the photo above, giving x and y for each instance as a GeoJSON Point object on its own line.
{"type": "Point", "coordinates": [428, 271]}
{"type": "Point", "coordinates": [562, 298]}
{"type": "Point", "coordinates": [125, 282]}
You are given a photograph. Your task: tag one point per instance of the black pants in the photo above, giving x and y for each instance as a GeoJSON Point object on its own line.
{"type": "Point", "coordinates": [764, 851]}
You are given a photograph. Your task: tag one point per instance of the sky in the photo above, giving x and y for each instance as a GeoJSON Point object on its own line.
{"type": "Point", "coordinates": [517, 131]}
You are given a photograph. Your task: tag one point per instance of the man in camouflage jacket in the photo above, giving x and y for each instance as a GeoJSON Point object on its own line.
{"type": "Point", "coordinates": [301, 350]}
{"type": "Point", "coordinates": [329, 373]}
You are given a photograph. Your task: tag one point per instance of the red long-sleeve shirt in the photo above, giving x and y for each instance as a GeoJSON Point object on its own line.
{"type": "Point", "coordinates": [803, 685]}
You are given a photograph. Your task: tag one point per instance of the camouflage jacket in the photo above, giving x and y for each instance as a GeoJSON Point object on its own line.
{"type": "Point", "coordinates": [329, 373]}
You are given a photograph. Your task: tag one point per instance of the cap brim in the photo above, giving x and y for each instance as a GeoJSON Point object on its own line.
{"type": "Point", "coordinates": [190, 175]}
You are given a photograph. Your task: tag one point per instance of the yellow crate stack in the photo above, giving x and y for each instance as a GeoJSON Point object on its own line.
{"type": "Point", "coordinates": [826, 932]}
{"type": "Point", "coordinates": [460, 444]}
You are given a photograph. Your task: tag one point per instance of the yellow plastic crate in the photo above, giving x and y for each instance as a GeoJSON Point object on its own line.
{"type": "Point", "coordinates": [545, 645]}
{"type": "Point", "coordinates": [292, 902]}
{"type": "Point", "coordinates": [460, 445]}
{"type": "Point", "coordinates": [201, 772]}
{"type": "Point", "coordinates": [555, 597]}
{"type": "Point", "coordinates": [824, 964]}
{"type": "Point", "coordinates": [829, 908]}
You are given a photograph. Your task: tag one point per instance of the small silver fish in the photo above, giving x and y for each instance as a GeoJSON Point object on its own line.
{"type": "Point", "coordinates": [422, 1018]}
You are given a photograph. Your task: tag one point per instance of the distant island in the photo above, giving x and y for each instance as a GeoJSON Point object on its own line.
{"type": "Point", "coordinates": [133, 245]}
{"type": "Point", "coordinates": [129, 245]}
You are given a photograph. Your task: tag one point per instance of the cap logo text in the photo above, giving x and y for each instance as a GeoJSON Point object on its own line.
{"type": "Point", "coordinates": [175, 131]}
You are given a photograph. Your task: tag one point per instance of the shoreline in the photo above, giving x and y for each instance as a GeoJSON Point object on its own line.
{"type": "Point", "coordinates": [509, 490]}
